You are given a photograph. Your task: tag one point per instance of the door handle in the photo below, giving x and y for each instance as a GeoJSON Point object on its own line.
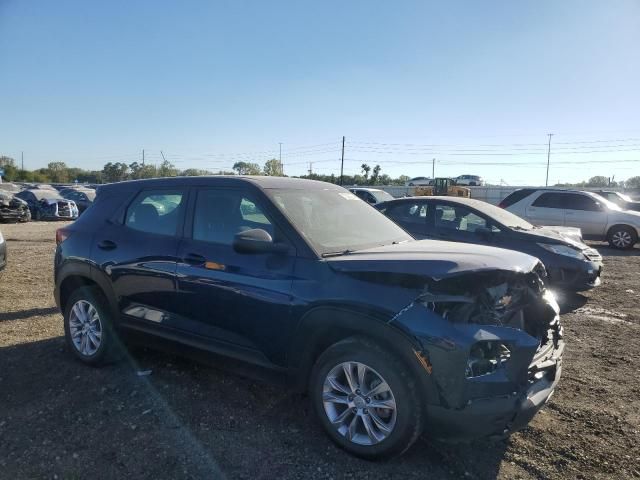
{"type": "Point", "coordinates": [107, 245]}
{"type": "Point", "coordinates": [194, 259]}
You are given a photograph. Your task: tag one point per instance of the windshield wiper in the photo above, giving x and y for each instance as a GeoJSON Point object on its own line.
{"type": "Point", "coordinates": [337, 254]}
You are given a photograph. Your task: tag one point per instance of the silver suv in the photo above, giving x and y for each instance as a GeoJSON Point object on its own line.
{"type": "Point", "coordinates": [597, 217]}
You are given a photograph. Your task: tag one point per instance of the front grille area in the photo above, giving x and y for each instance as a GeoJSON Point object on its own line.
{"type": "Point", "coordinates": [64, 209]}
{"type": "Point", "coordinates": [592, 254]}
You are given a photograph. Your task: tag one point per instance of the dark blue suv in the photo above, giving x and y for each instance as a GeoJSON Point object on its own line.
{"type": "Point", "coordinates": [389, 336]}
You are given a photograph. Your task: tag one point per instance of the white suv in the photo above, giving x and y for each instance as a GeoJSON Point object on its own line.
{"type": "Point", "coordinates": [470, 180]}
{"type": "Point", "coordinates": [598, 218]}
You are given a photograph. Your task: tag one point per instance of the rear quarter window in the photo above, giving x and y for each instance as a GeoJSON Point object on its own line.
{"type": "Point", "coordinates": [515, 197]}
{"type": "Point", "coordinates": [155, 211]}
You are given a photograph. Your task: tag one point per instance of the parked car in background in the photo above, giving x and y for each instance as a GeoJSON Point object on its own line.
{"type": "Point", "coordinates": [597, 217]}
{"type": "Point", "coordinates": [371, 195]}
{"type": "Point", "coordinates": [469, 180]}
{"type": "Point", "coordinates": [3, 252]}
{"type": "Point", "coordinates": [623, 201]}
{"type": "Point", "coordinates": [12, 208]}
{"type": "Point", "coordinates": [570, 264]}
{"type": "Point", "coordinates": [47, 204]}
{"type": "Point", "coordinates": [414, 182]}
{"type": "Point", "coordinates": [83, 197]}
{"type": "Point", "coordinates": [9, 187]}
{"type": "Point", "coordinates": [390, 336]}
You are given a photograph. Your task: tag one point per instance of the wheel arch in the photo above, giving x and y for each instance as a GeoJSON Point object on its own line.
{"type": "Point", "coordinates": [326, 325]}
{"type": "Point", "coordinates": [613, 227]}
{"type": "Point", "coordinates": [78, 276]}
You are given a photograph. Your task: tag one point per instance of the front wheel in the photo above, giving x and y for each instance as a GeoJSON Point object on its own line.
{"type": "Point", "coordinates": [622, 237]}
{"type": "Point", "coordinates": [366, 399]}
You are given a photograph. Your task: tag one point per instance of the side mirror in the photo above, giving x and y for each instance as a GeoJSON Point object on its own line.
{"type": "Point", "coordinates": [257, 240]}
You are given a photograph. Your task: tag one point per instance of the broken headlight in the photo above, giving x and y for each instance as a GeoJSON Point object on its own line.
{"type": "Point", "coordinates": [486, 357]}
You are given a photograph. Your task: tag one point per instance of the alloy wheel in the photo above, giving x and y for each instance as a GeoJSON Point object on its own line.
{"type": "Point", "coordinates": [621, 239]}
{"type": "Point", "coordinates": [85, 328]}
{"type": "Point", "coordinates": [359, 403]}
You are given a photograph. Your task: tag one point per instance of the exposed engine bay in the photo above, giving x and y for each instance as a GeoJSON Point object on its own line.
{"type": "Point", "coordinates": [493, 298]}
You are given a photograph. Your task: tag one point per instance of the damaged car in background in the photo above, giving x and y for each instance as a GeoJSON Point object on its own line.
{"type": "Point", "coordinates": [13, 209]}
{"type": "Point", "coordinates": [47, 204]}
{"type": "Point", "coordinates": [391, 337]}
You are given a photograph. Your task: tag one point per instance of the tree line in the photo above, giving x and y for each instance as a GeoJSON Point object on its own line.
{"type": "Point", "coordinates": [59, 172]}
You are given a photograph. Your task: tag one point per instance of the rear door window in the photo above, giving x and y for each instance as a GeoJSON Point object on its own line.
{"type": "Point", "coordinates": [551, 200]}
{"type": "Point", "coordinates": [156, 211]}
{"type": "Point", "coordinates": [408, 213]}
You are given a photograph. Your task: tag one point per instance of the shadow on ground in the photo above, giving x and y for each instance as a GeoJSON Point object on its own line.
{"type": "Point", "coordinates": [22, 314]}
{"type": "Point", "coordinates": [606, 250]}
{"type": "Point", "coordinates": [570, 301]}
{"type": "Point", "coordinates": [183, 420]}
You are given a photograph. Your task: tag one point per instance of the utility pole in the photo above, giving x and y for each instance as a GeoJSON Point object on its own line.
{"type": "Point", "coordinates": [310, 168]}
{"type": "Point", "coordinates": [163, 156]}
{"type": "Point", "coordinates": [342, 162]}
{"type": "Point", "coordinates": [546, 183]}
{"type": "Point", "coordinates": [143, 156]}
{"type": "Point", "coordinates": [433, 168]}
{"type": "Point", "coordinates": [22, 160]}
{"type": "Point", "coordinates": [280, 159]}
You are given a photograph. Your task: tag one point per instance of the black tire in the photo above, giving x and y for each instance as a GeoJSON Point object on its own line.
{"type": "Point", "coordinates": [109, 347]}
{"type": "Point", "coordinates": [404, 388]}
{"type": "Point", "coordinates": [622, 237]}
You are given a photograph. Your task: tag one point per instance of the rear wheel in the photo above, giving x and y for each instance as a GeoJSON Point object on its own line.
{"type": "Point", "coordinates": [88, 328]}
{"type": "Point", "coordinates": [365, 399]}
{"type": "Point", "coordinates": [622, 237]}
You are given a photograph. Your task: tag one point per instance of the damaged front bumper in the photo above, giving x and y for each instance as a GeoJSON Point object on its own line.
{"type": "Point", "coordinates": [500, 415]}
{"type": "Point", "coordinates": [466, 398]}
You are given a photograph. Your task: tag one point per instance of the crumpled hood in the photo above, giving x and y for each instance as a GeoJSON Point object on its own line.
{"type": "Point", "coordinates": [556, 233]}
{"type": "Point", "coordinates": [433, 258]}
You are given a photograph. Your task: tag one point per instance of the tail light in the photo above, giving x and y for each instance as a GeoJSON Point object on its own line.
{"type": "Point", "coordinates": [61, 235]}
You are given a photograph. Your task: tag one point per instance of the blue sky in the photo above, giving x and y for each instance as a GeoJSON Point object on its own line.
{"type": "Point", "coordinates": [476, 85]}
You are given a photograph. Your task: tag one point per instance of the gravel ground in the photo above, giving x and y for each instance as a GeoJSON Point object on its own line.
{"type": "Point", "coordinates": [60, 419]}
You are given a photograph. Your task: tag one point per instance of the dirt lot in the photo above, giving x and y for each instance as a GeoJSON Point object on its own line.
{"type": "Point", "coordinates": [60, 419]}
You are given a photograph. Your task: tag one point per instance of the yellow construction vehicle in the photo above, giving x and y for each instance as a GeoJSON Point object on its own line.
{"type": "Point", "coordinates": [442, 186]}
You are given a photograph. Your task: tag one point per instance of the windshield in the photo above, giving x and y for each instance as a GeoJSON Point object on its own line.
{"type": "Point", "coordinates": [624, 197]}
{"type": "Point", "coordinates": [91, 194]}
{"type": "Point", "coordinates": [334, 220]}
{"type": "Point", "coordinates": [503, 216]}
{"type": "Point", "coordinates": [381, 195]}
{"type": "Point", "coordinates": [45, 193]}
{"type": "Point", "coordinates": [605, 202]}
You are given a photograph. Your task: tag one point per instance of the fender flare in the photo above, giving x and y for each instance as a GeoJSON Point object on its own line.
{"type": "Point", "coordinates": [324, 325]}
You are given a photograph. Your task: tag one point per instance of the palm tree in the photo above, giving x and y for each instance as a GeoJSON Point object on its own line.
{"type": "Point", "coordinates": [365, 169]}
